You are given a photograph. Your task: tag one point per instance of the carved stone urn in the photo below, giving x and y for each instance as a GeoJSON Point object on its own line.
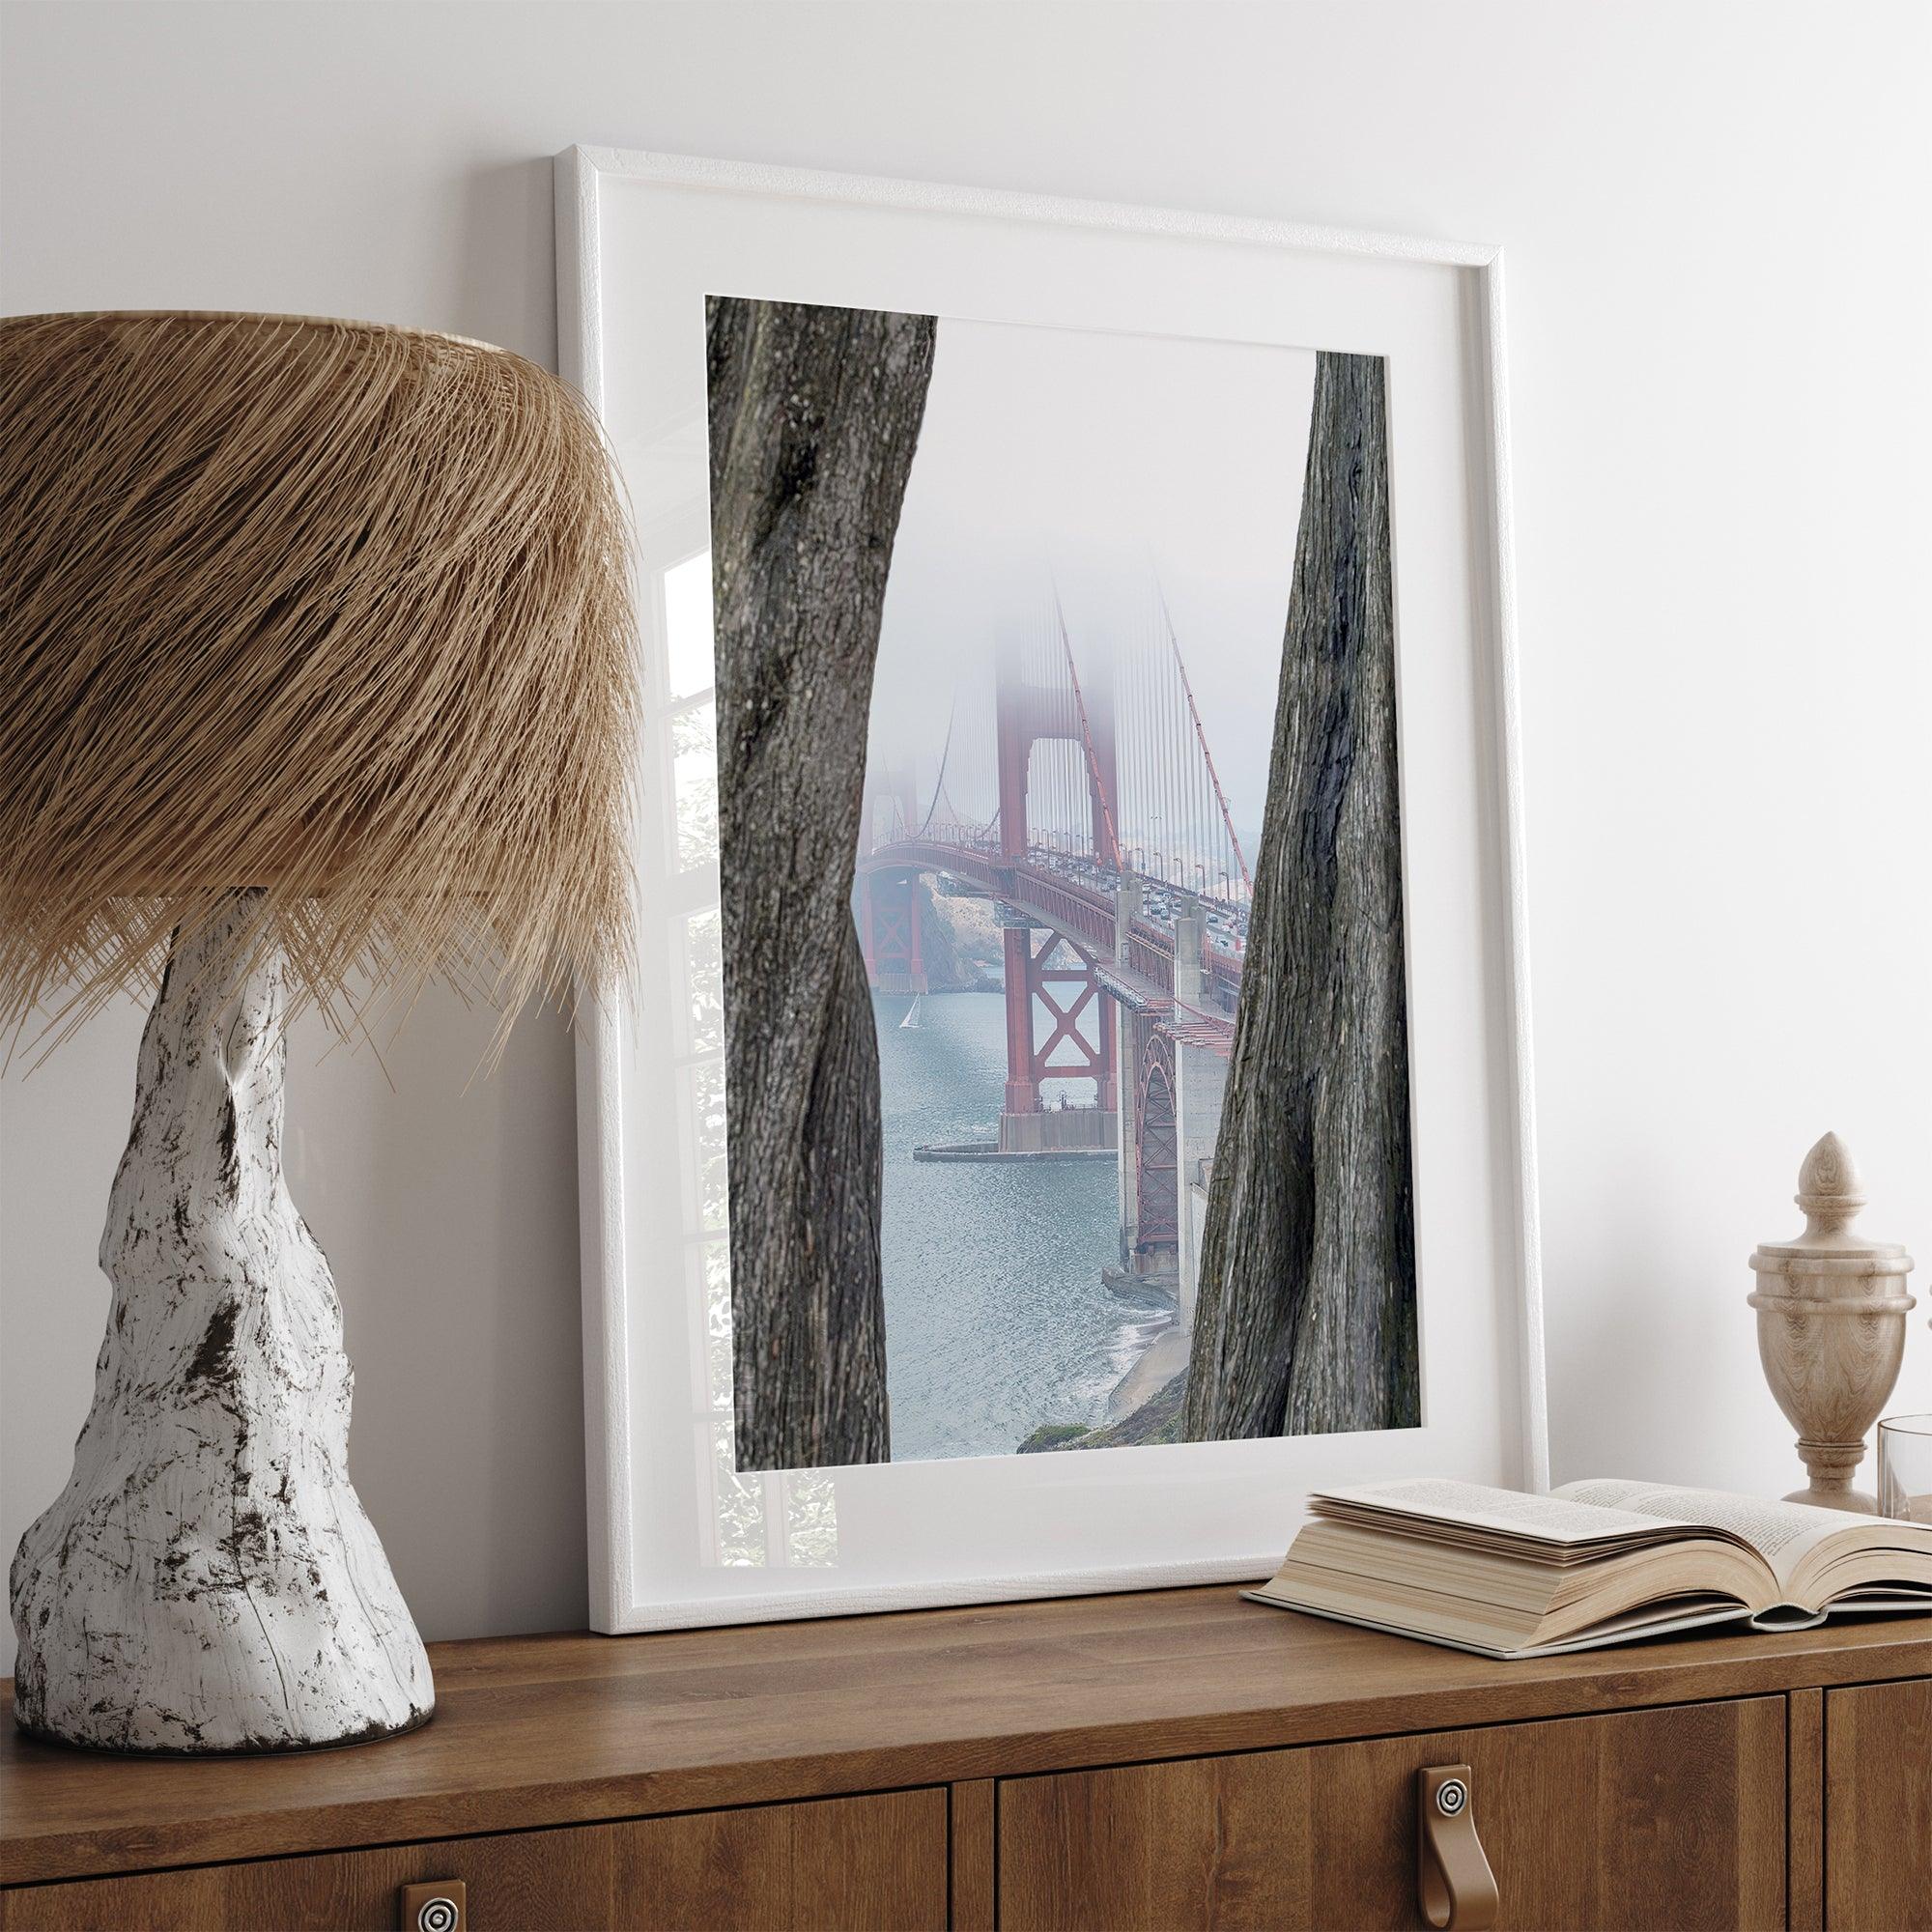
{"type": "Point", "coordinates": [1830, 1327]}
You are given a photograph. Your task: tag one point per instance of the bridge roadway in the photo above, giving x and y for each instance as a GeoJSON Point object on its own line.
{"type": "Point", "coordinates": [1058, 898]}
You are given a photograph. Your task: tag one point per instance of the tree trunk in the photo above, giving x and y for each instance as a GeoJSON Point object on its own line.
{"type": "Point", "coordinates": [814, 416]}
{"type": "Point", "coordinates": [1306, 1316]}
{"type": "Point", "coordinates": [207, 1581]}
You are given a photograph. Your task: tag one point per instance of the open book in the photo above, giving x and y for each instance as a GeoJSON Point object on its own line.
{"type": "Point", "coordinates": [1592, 1563]}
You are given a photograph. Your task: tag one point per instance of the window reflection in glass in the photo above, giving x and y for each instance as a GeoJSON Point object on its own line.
{"type": "Point", "coordinates": [740, 1508]}
{"type": "Point", "coordinates": [687, 608]}
{"type": "Point", "coordinates": [703, 964]}
{"type": "Point", "coordinates": [811, 1520]}
{"type": "Point", "coordinates": [694, 766]}
{"type": "Point", "coordinates": [765, 1519]}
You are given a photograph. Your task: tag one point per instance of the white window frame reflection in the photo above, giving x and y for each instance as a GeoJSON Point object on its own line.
{"type": "Point", "coordinates": [769, 1519]}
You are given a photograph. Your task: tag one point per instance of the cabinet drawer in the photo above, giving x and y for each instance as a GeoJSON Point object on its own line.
{"type": "Point", "coordinates": [1878, 1807]}
{"type": "Point", "coordinates": [1643, 1819]}
{"type": "Point", "coordinates": [837, 1864]}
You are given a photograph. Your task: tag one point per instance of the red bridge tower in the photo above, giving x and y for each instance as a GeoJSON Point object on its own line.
{"type": "Point", "coordinates": [1055, 980]}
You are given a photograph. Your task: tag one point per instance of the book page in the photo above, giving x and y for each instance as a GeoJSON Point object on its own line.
{"type": "Point", "coordinates": [1781, 1533]}
{"type": "Point", "coordinates": [1555, 1519]}
{"type": "Point", "coordinates": [1660, 1620]}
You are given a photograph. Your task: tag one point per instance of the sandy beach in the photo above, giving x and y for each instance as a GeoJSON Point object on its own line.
{"type": "Point", "coordinates": [1154, 1370]}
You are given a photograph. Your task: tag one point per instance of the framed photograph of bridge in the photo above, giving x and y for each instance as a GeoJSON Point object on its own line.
{"type": "Point", "coordinates": [1075, 1097]}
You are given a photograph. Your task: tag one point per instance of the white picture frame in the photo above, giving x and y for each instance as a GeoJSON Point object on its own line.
{"type": "Point", "coordinates": [641, 240]}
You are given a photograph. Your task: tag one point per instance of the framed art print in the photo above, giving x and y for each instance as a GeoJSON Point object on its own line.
{"type": "Point", "coordinates": [1075, 1094]}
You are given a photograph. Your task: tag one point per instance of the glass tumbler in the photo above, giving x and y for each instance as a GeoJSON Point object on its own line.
{"type": "Point", "coordinates": [1905, 1468]}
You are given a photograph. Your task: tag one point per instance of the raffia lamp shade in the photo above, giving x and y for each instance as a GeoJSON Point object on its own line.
{"type": "Point", "coordinates": [318, 678]}
{"type": "Point", "coordinates": [334, 611]}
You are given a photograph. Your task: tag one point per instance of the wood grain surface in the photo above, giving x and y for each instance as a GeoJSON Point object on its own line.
{"type": "Point", "coordinates": [1805, 1785]}
{"type": "Point", "coordinates": [1878, 1808]}
{"type": "Point", "coordinates": [1644, 1820]}
{"type": "Point", "coordinates": [974, 1864]}
{"type": "Point", "coordinates": [572, 1729]}
{"type": "Point", "coordinates": [843, 1865]}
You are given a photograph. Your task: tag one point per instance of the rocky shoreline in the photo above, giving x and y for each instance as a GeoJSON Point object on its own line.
{"type": "Point", "coordinates": [1145, 1406]}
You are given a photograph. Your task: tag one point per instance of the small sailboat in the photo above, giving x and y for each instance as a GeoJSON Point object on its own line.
{"type": "Point", "coordinates": [912, 1014]}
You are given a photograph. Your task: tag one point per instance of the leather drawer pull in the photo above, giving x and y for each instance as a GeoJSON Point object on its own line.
{"type": "Point", "coordinates": [1454, 1884]}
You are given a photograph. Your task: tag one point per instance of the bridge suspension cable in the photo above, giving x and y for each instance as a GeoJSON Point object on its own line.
{"type": "Point", "coordinates": [1117, 773]}
{"type": "Point", "coordinates": [1094, 776]}
{"type": "Point", "coordinates": [945, 754]}
{"type": "Point", "coordinates": [1201, 734]}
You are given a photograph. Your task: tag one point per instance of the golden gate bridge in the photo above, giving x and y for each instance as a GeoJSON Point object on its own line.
{"type": "Point", "coordinates": [1076, 792]}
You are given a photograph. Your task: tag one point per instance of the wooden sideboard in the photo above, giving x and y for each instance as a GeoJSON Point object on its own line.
{"type": "Point", "coordinates": [1173, 1759]}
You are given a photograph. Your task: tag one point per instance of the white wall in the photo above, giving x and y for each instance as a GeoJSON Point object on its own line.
{"type": "Point", "coordinates": [1719, 314]}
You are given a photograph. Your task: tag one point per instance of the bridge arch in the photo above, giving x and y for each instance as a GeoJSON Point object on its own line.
{"type": "Point", "coordinates": [1027, 714]}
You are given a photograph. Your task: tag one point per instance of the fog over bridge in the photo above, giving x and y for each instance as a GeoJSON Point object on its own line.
{"type": "Point", "coordinates": [1112, 864]}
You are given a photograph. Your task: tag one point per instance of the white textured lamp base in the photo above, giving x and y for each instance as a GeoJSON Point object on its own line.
{"type": "Point", "coordinates": [207, 1581]}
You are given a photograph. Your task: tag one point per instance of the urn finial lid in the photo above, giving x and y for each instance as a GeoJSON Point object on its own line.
{"type": "Point", "coordinates": [1831, 1191]}
{"type": "Point", "coordinates": [1829, 1186]}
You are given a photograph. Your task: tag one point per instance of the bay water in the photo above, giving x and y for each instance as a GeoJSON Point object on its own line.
{"type": "Point", "coordinates": [995, 1318]}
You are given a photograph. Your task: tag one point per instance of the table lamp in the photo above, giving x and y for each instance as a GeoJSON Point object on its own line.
{"type": "Point", "coordinates": [318, 681]}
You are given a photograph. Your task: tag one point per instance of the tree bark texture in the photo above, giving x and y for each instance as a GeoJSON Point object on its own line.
{"type": "Point", "coordinates": [207, 1581]}
{"type": "Point", "coordinates": [814, 418]}
{"type": "Point", "coordinates": [1306, 1316]}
